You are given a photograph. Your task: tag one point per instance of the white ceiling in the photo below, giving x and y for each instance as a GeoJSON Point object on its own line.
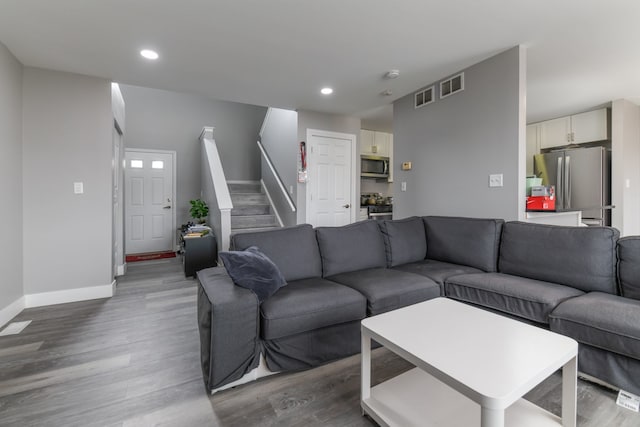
{"type": "Point", "coordinates": [581, 53]}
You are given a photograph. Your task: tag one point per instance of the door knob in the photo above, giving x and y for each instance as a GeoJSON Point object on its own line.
{"type": "Point", "coordinates": [347, 206]}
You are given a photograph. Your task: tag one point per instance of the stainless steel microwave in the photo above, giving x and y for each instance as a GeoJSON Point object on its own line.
{"type": "Point", "coordinates": [374, 167]}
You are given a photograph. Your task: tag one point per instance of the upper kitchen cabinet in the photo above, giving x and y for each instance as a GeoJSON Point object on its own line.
{"type": "Point", "coordinates": [576, 129]}
{"type": "Point", "coordinates": [533, 145]}
{"type": "Point", "coordinates": [375, 143]}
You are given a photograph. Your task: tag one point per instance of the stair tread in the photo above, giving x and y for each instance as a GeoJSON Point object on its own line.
{"type": "Point", "coordinates": [251, 230]}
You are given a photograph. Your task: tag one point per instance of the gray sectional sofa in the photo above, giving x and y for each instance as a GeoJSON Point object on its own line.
{"type": "Point", "coordinates": [578, 281]}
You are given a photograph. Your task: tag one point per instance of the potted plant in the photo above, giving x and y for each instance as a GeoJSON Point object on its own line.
{"type": "Point", "coordinates": [199, 210]}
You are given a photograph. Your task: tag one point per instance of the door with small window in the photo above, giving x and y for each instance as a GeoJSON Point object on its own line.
{"type": "Point", "coordinates": [149, 201]}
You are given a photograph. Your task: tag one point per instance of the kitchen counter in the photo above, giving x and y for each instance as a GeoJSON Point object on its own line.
{"type": "Point", "coordinates": [573, 218]}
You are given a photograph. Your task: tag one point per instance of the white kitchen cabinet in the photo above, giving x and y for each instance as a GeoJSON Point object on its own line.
{"type": "Point", "coordinates": [374, 143]}
{"type": "Point", "coordinates": [589, 126]}
{"type": "Point", "coordinates": [556, 132]}
{"type": "Point", "coordinates": [363, 214]}
{"type": "Point", "coordinates": [390, 147]}
{"type": "Point", "coordinates": [576, 129]}
{"type": "Point", "coordinates": [533, 145]}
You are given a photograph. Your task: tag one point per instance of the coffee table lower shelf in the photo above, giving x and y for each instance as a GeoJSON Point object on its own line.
{"type": "Point", "coordinates": [415, 398]}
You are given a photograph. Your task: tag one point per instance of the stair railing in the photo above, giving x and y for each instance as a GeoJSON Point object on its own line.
{"type": "Point", "coordinates": [284, 191]}
{"type": "Point", "coordinates": [215, 190]}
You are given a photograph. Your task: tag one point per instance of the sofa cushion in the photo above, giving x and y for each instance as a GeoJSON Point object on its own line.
{"type": "Point", "coordinates": [350, 248]}
{"type": "Point", "coordinates": [465, 241]}
{"type": "Point", "coordinates": [253, 270]}
{"type": "Point", "coordinates": [308, 304]}
{"type": "Point", "coordinates": [606, 321]}
{"type": "Point", "coordinates": [293, 249]}
{"type": "Point", "coordinates": [580, 257]}
{"type": "Point", "coordinates": [405, 240]}
{"type": "Point", "coordinates": [387, 289]}
{"type": "Point", "coordinates": [629, 266]}
{"type": "Point", "coordinates": [531, 299]}
{"type": "Point", "coordinates": [437, 271]}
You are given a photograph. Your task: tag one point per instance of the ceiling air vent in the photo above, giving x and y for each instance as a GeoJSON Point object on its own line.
{"type": "Point", "coordinates": [453, 85]}
{"type": "Point", "coordinates": [424, 97]}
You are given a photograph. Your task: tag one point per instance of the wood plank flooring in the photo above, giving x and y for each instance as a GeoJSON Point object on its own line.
{"type": "Point", "coordinates": [133, 360]}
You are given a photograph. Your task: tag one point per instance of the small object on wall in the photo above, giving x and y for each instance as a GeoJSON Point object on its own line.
{"type": "Point", "coordinates": [374, 148]}
{"type": "Point", "coordinates": [78, 188]}
{"type": "Point", "coordinates": [406, 166]}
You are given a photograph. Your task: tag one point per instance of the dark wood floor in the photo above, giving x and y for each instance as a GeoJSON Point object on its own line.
{"type": "Point", "coordinates": [133, 360]}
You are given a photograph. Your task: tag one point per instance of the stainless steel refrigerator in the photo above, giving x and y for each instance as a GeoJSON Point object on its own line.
{"type": "Point", "coordinates": [581, 177]}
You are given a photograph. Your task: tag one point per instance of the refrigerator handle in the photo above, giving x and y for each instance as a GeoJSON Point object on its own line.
{"type": "Point", "coordinates": [567, 181]}
{"type": "Point", "coordinates": [560, 187]}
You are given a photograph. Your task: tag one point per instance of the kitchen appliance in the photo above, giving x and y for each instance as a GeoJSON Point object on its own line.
{"type": "Point", "coordinates": [380, 212]}
{"type": "Point", "coordinates": [374, 166]}
{"type": "Point", "coordinates": [582, 180]}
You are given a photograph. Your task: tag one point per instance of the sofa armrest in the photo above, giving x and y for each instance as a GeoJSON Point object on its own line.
{"type": "Point", "coordinates": [228, 321]}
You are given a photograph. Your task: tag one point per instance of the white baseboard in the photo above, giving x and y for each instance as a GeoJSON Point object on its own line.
{"type": "Point", "coordinates": [121, 270]}
{"type": "Point", "coordinates": [11, 311]}
{"type": "Point", "coordinates": [69, 295]}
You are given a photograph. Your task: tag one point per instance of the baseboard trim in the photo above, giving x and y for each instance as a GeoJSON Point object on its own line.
{"type": "Point", "coordinates": [69, 295]}
{"type": "Point", "coordinates": [121, 269]}
{"type": "Point", "coordinates": [11, 311]}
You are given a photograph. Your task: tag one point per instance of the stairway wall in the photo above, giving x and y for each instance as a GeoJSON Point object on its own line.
{"type": "Point", "coordinates": [164, 120]}
{"type": "Point", "coordinates": [279, 138]}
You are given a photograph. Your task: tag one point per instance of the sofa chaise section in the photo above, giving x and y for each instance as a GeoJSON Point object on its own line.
{"type": "Point", "coordinates": [607, 326]}
{"type": "Point", "coordinates": [540, 266]}
{"type": "Point", "coordinates": [355, 256]}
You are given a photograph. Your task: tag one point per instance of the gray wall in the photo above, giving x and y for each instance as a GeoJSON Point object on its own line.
{"type": "Point", "coordinates": [66, 138]}
{"type": "Point", "coordinates": [163, 120]}
{"type": "Point", "coordinates": [11, 288]}
{"type": "Point", "coordinates": [456, 142]}
{"type": "Point", "coordinates": [625, 152]}
{"type": "Point", "coordinates": [332, 123]}
{"type": "Point", "coordinates": [279, 138]}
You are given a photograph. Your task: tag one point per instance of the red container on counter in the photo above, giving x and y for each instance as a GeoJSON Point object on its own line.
{"type": "Point", "coordinates": [541, 203]}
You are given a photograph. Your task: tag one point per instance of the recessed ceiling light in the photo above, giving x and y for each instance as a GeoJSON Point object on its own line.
{"type": "Point", "coordinates": [326, 91]}
{"type": "Point", "coordinates": [392, 74]}
{"type": "Point", "coordinates": [149, 54]}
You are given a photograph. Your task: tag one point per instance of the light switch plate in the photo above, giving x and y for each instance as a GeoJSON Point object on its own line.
{"type": "Point", "coordinates": [78, 188]}
{"type": "Point", "coordinates": [403, 186]}
{"type": "Point", "coordinates": [495, 180]}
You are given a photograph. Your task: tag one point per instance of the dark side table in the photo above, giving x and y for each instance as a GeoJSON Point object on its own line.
{"type": "Point", "coordinates": [198, 253]}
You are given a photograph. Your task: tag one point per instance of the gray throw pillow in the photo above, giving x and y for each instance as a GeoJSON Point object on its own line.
{"type": "Point", "coordinates": [251, 269]}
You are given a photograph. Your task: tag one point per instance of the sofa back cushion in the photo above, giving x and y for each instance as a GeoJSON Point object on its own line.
{"type": "Point", "coordinates": [581, 257]}
{"type": "Point", "coordinates": [467, 241]}
{"type": "Point", "coordinates": [404, 240]}
{"type": "Point", "coordinates": [351, 247]}
{"type": "Point", "coordinates": [293, 249]}
{"type": "Point", "coordinates": [629, 266]}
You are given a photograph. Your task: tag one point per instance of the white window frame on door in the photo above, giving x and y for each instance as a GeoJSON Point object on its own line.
{"type": "Point", "coordinates": [174, 156]}
{"type": "Point", "coordinates": [311, 163]}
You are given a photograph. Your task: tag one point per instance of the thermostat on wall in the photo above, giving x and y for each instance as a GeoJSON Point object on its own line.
{"type": "Point", "coordinates": [406, 166]}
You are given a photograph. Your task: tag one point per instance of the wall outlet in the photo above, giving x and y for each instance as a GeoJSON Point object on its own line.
{"type": "Point", "coordinates": [495, 180]}
{"type": "Point", "coordinates": [403, 186]}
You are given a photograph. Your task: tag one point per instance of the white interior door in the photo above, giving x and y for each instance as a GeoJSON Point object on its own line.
{"type": "Point", "coordinates": [331, 184]}
{"type": "Point", "coordinates": [149, 194]}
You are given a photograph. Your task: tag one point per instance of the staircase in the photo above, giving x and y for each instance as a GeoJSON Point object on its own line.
{"type": "Point", "coordinates": [251, 209]}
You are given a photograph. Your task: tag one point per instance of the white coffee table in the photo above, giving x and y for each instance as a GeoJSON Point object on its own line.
{"type": "Point", "coordinates": [472, 367]}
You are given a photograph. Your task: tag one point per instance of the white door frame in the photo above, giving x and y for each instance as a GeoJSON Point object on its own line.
{"type": "Point", "coordinates": [174, 155]}
{"type": "Point", "coordinates": [311, 133]}
{"type": "Point", "coordinates": [120, 265]}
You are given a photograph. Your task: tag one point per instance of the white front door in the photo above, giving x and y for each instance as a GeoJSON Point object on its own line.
{"type": "Point", "coordinates": [149, 194]}
{"type": "Point", "coordinates": [331, 182]}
